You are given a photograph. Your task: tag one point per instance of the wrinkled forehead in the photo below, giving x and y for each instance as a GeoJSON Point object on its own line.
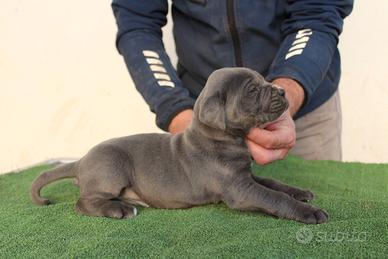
{"type": "Point", "coordinates": [235, 74]}
{"type": "Point", "coordinates": [236, 77]}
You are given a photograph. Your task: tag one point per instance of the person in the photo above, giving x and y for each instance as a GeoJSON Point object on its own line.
{"type": "Point", "coordinates": [292, 43]}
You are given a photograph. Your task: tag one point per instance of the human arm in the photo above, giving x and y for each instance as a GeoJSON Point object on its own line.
{"type": "Point", "coordinates": [310, 36]}
{"type": "Point", "coordinates": [310, 39]}
{"type": "Point", "coordinates": [139, 41]}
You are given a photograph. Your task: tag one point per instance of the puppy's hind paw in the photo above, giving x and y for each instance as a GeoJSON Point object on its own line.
{"type": "Point", "coordinates": [124, 212]}
{"type": "Point", "coordinates": [120, 210]}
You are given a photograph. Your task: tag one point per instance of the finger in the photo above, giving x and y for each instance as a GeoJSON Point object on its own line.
{"type": "Point", "coordinates": [277, 139]}
{"type": "Point", "coordinates": [264, 156]}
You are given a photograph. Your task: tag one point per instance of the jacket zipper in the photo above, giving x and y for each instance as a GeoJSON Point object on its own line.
{"type": "Point", "coordinates": [234, 33]}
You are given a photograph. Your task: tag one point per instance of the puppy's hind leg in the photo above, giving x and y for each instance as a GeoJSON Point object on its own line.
{"type": "Point", "coordinates": [112, 208]}
{"type": "Point", "coordinates": [104, 174]}
{"type": "Point", "coordinates": [296, 193]}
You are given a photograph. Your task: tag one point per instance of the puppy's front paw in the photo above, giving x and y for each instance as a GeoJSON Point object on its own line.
{"type": "Point", "coordinates": [302, 195]}
{"type": "Point", "coordinates": [315, 216]}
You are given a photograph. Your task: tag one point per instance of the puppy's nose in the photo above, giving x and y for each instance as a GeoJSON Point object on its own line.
{"type": "Point", "coordinates": [281, 92]}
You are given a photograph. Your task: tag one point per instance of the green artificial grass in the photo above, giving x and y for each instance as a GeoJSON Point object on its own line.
{"type": "Point", "coordinates": [355, 195]}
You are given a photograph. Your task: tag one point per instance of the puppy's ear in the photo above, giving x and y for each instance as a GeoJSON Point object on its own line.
{"type": "Point", "coordinates": [212, 111]}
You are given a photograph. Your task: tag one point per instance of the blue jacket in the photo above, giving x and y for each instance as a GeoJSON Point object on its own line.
{"type": "Point", "coordinates": [278, 38]}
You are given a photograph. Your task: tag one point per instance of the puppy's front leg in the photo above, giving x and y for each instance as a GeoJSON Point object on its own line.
{"type": "Point", "coordinates": [246, 194]}
{"type": "Point", "coordinates": [296, 193]}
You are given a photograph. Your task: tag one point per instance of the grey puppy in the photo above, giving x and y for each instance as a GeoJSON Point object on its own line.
{"type": "Point", "coordinates": [208, 163]}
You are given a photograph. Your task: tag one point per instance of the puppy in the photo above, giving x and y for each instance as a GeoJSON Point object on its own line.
{"type": "Point", "coordinates": [208, 163]}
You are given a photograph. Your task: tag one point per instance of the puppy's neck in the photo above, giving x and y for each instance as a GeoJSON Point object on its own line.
{"type": "Point", "coordinates": [199, 129]}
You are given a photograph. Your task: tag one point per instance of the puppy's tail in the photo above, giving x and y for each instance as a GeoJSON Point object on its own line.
{"type": "Point", "coordinates": [60, 172]}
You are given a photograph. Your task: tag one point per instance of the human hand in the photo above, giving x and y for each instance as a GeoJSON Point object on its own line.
{"type": "Point", "coordinates": [181, 121]}
{"type": "Point", "coordinates": [274, 141]}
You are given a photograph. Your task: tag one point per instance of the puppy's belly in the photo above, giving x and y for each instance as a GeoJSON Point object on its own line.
{"type": "Point", "coordinates": [163, 201]}
{"type": "Point", "coordinates": [130, 196]}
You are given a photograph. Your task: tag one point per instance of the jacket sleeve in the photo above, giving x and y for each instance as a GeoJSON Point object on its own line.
{"type": "Point", "coordinates": [139, 41]}
{"type": "Point", "coordinates": [311, 32]}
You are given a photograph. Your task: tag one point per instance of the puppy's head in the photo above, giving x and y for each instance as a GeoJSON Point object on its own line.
{"type": "Point", "coordinates": [237, 99]}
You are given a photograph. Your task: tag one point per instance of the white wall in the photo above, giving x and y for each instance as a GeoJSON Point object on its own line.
{"type": "Point", "coordinates": [64, 88]}
{"type": "Point", "coordinates": [364, 84]}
